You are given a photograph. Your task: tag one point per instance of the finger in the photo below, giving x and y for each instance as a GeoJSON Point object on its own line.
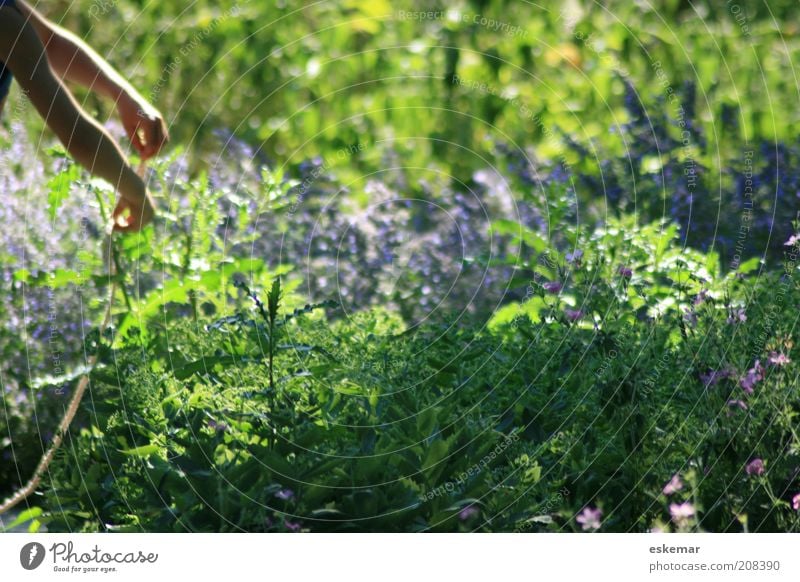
{"type": "Point", "coordinates": [119, 219]}
{"type": "Point", "coordinates": [155, 139]}
{"type": "Point", "coordinates": [124, 226]}
{"type": "Point", "coordinates": [139, 140]}
{"type": "Point", "coordinates": [132, 224]}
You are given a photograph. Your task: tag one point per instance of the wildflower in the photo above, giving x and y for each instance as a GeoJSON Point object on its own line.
{"type": "Point", "coordinates": [214, 425]}
{"type": "Point", "coordinates": [690, 317]}
{"type": "Point", "coordinates": [573, 314]}
{"type": "Point", "coordinates": [777, 359]}
{"type": "Point", "coordinates": [681, 513]}
{"type": "Point", "coordinates": [468, 513]}
{"type": "Point", "coordinates": [285, 494]}
{"type": "Point", "coordinates": [700, 297]}
{"type": "Point", "coordinates": [753, 376]}
{"type": "Point", "coordinates": [589, 518]}
{"type": "Point", "coordinates": [734, 403]}
{"type": "Point", "coordinates": [737, 316]}
{"type": "Point", "coordinates": [625, 272]}
{"type": "Point", "coordinates": [712, 377]}
{"type": "Point", "coordinates": [793, 240]}
{"type": "Point", "coordinates": [292, 526]}
{"type": "Point", "coordinates": [754, 467]}
{"type": "Point", "coordinates": [796, 502]}
{"type": "Point", "coordinates": [552, 286]}
{"type": "Point", "coordinates": [675, 484]}
{"type": "Point", "coordinates": [574, 258]}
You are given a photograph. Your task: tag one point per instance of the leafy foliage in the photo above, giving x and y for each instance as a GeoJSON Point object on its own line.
{"type": "Point", "coordinates": [362, 425]}
{"type": "Point", "coordinates": [417, 275]}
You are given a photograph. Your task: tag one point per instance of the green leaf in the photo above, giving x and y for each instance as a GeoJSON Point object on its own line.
{"type": "Point", "coordinates": [58, 189]}
{"type": "Point", "coordinates": [437, 451]}
{"type": "Point", "coordinates": [520, 232]}
{"type": "Point", "coordinates": [750, 265]}
{"type": "Point", "coordinates": [143, 451]}
{"type": "Point", "coordinates": [24, 517]}
{"type": "Point", "coordinates": [274, 299]}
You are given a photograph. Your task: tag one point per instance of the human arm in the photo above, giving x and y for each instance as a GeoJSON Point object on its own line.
{"type": "Point", "coordinates": [86, 141]}
{"type": "Point", "coordinates": [75, 61]}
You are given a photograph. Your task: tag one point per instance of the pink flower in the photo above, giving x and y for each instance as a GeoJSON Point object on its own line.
{"type": "Point", "coordinates": [754, 467]}
{"type": "Point", "coordinates": [675, 484]}
{"type": "Point", "coordinates": [793, 240]}
{"type": "Point", "coordinates": [468, 512]}
{"type": "Point", "coordinates": [734, 403]}
{"type": "Point", "coordinates": [681, 513]}
{"type": "Point", "coordinates": [777, 359]}
{"type": "Point", "coordinates": [796, 502]}
{"type": "Point", "coordinates": [589, 518]}
{"type": "Point", "coordinates": [573, 315]}
{"type": "Point", "coordinates": [552, 286]}
{"type": "Point", "coordinates": [292, 526]}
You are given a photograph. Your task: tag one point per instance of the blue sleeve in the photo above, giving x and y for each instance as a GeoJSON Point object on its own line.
{"type": "Point", "coordinates": [5, 74]}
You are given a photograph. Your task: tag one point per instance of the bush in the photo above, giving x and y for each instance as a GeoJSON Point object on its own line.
{"type": "Point", "coordinates": [634, 388]}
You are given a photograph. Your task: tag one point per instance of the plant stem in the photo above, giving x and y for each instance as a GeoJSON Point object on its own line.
{"type": "Point", "coordinates": [114, 253]}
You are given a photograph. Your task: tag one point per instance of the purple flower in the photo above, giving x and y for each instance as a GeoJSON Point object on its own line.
{"type": "Point", "coordinates": [285, 494]}
{"type": "Point", "coordinates": [681, 513]}
{"type": "Point", "coordinates": [552, 286]}
{"type": "Point", "coordinates": [573, 314]}
{"type": "Point", "coordinates": [796, 502]}
{"type": "Point", "coordinates": [674, 485]}
{"type": "Point", "coordinates": [754, 467]}
{"type": "Point", "coordinates": [700, 297]}
{"type": "Point", "coordinates": [691, 317]}
{"type": "Point", "coordinates": [712, 377]}
{"type": "Point", "coordinates": [777, 359]}
{"type": "Point", "coordinates": [737, 316]}
{"type": "Point", "coordinates": [625, 272]}
{"type": "Point", "coordinates": [219, 426]}
{"type": "Point", "coordinates": [292, 526]}
{"type": "Point", "coordinates": [574, 257]}
{"type": "Point", "coordinates": [468, 513]}
{"type": "Point", "coordinates": [590, 518]}
{"type": "Point", "coordinates": [752, 377]}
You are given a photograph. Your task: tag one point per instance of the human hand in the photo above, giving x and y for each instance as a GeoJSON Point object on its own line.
{"type": "Point", "coordinates": [133, 214]}
{"type": "Point", "coordinates": [144, 125]}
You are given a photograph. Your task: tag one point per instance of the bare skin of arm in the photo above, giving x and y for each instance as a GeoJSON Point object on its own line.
{"type": "Point", "coordinates": [85, 140]}
{"type": "Point", "coordinates": [75, 61]}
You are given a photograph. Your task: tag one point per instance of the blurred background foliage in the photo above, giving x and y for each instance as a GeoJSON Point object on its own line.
{"type": "Point", "coordinates": [301, 81]}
